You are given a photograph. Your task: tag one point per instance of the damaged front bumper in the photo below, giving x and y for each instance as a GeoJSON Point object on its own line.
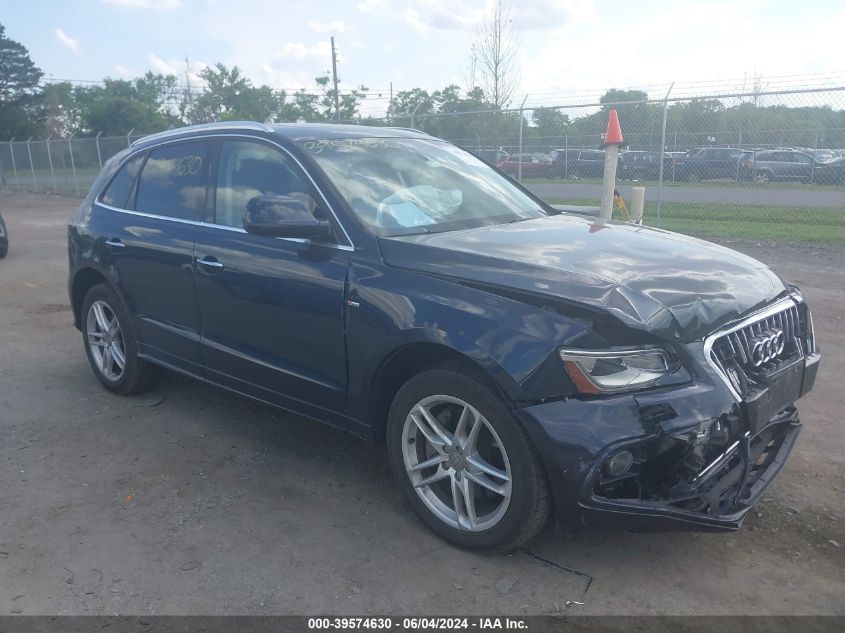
{"type": "Point", "coordinates": [698, 458]}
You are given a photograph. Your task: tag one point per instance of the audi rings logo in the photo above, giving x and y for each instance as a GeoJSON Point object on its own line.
{"type": "Point", "coordinates": [767, 346]}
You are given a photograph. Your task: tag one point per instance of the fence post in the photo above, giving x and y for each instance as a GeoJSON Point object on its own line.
{"type": "Point", "coordinates": [521, 119]}
{"type": "Point", "coordinates": [565, 156]}
{"type": "Point", "coordinates": [72, 163]}
{"type": "Point", "coordinates": [50, 162]}
{"type": "Point", "coordinates": [31, 164]}
{"type": "Point", "coordinates": [413, 112]}
{"type": "Point", "coordinates": [14, 167]}
{"type": "Point", "coordinates": [739, 147]}
{"type": "Point", "coordinates": [129, 138]}
{"type": "Point", "coordinates": [99, 156]}
{"type": "Point", "coordinates": [662, 150]}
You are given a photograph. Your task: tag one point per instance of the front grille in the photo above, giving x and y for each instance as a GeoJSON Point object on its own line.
{"type": "Point", "coordinates": [759, 346]}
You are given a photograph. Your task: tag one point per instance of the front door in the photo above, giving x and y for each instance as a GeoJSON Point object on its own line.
{"type": "Point", "coordinates": [272, 309]}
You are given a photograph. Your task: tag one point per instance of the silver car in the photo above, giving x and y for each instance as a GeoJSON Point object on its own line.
{"type": "Point", "coordinates": [790, 164]}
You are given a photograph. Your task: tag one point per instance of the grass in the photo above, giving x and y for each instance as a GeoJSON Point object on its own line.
{"type": "Point", "coordinates": [721, 184]}
{"type": "Point", "coordinates": [782, 224]}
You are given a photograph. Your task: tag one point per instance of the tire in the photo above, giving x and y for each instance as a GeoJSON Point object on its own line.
{"type": "Point", "coordinates": [500, 521]}
{"type": "Point", "coordinates": [101, 308]}
{"type": "Point", "coordinates": [764, 177]}
{"type": "Point", "coordinates": [694, 176]}
{"type": "Point", "coordinates": [4, 239]}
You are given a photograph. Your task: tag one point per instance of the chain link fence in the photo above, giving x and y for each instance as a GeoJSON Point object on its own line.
{"type": "Point", "coordinates": [66, 166]}
{"type": "Point", "coordinates": [760, 165]}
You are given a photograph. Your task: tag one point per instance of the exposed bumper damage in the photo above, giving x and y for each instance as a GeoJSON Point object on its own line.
{"type": "Point", "coordinates": [699, 458]}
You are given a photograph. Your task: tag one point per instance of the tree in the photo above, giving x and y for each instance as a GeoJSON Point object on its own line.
{"type": "Point", "coordinates": [19, 79]}
{"type": "Point", "coordinates": [415, 100]}
{"type": "Point", "coordinates": [496, 49]}
{"type": "Point", "coordinates": [119, 105]}
{"type": "Point", "coordinates": [19, 76]}
{"type": "Point", "coordinates": [348, 103]}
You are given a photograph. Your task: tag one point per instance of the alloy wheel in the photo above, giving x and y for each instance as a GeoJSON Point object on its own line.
{"type": "Point", "coordinates": [105, 341]}
{"type": "Point", "coordinates": [457, 463]}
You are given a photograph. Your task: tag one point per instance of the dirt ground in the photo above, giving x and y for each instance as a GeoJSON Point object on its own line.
{"type": "Point", "coordinates": [190, 500]}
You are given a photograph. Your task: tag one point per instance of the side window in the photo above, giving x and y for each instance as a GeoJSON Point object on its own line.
{"type": "Point", "coordinates": [117, 193]}
{"type": "Point", "coordinates": [798, 157]}
{"type": "Point", "coordinates": [173, 181]}
{"type": "Point", "coordinates": [248, 170]}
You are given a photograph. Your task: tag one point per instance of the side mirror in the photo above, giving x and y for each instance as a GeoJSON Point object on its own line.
{"type": "Point", "coordinates": [283, 216]}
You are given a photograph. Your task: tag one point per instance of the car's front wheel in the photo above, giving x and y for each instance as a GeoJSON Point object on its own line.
{"type": "Point", "coordinates": [110, 343]}
{"type": "Point", "coordinates": [464, 462]}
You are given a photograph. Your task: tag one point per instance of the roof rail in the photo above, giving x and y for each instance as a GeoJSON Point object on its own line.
{"type": "Point", "coordinates": [221, 125]}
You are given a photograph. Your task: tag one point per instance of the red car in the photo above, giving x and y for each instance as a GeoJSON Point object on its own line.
{"type": "Point", "coordinates": [533, 165]}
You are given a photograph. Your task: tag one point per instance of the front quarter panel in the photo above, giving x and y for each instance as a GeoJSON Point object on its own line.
{"type": "Point", "coordinates": [513, 342]}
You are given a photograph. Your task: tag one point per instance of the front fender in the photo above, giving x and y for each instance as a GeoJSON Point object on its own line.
{"type": "Point", "coordinates": [515, 343]}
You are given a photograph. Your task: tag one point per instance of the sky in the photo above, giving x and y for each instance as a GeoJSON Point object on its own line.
{"type": "Point", "coordinates": [567, 47]}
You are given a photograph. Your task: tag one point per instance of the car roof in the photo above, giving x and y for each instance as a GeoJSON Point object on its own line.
{"type": "Point", "coordinates": [290, 131]}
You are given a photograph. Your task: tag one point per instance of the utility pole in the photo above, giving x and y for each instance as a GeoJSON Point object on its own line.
{"type": "Point", "coordinates": [390, 109]}
{"type": "Point", "coordinates": [334, 80]}
{"type": "Point", "coordinates": [188, 84]}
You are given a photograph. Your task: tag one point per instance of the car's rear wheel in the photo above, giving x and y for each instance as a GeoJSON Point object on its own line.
{"type": "Point", "coordinates": [4, 239]}
{"type": "Point", "coordinates": [764, 176]}
{"type": "Point", "coordinates": [694, 176]}
{"type": "Point", "coordinates": [464, 462]}
{"type": "Point", "coordinates": [110, 343]}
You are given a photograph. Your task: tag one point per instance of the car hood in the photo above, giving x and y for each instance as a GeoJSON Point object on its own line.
{"type": "Point", "coordinates": [669, 284]}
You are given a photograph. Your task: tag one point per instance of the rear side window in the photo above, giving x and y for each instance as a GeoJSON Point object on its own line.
{"type": "Point", "coordinates": [173, 181]}
{"type": "Point", "coordinates": [117, 193]}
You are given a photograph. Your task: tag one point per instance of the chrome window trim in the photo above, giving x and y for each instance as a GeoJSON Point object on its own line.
{"type": "Point", "coordinates": [222, 227]}
{"type": "Point", "coordinates": [343, 247]}
{"type": "Point", "coordinates": [778, 306]}
{"type": "Point", "coordinates": [245, 125]}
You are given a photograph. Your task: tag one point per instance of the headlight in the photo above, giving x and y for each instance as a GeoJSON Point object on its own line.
{"type": "Point", "coordinates": [609, 371]}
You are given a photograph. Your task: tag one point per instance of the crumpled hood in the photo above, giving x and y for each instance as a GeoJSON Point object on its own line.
{"type": "Point", "coordinates": [674, 286]}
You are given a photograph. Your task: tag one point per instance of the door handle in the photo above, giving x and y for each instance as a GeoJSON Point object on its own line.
{"type": "Point", "coordinates": [209, 264]}
{"type": "Point", "coordinates": [115, 243]}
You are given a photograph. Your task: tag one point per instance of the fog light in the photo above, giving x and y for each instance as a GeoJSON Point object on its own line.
{"type": "Point", "coordinates": [619, 464]}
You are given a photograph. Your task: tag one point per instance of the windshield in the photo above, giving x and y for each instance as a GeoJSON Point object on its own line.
{"type": "Point", "coordinates": [399, 186]}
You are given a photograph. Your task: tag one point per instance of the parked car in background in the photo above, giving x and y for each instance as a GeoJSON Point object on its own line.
{"type": "Point", "coordinates": [641, 165]}
{"type": "Point", "coordinates": [708, 163]}
{"type": "Point", "coordinates": [388, 283]}
{"type": "Point", "coordinates": [4, 239]}
{"type": "Point", "coordinates": [528, 165]}
{"type": "Point", "coordinates": [490, 156]}
{"type": "Point", "coordinates": [587, 163]}
{"type": "Point", "coordinates": [794, 165]}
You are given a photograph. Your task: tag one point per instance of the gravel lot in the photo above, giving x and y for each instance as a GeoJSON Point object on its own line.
{"type": "Point", "coordinates": [190, 500]}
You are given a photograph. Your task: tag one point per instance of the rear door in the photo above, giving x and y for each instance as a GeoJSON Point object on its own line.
{"type": "Point", "coordinates": [801, 166]}
{"type": "Point", "coordinates": [148, 240]}
{"type": "Point", "coordinates": [272, 309]}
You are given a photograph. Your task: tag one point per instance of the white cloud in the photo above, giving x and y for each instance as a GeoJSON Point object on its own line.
{"type": "Point", "coordinates": [675, 53]}
{"type": "Point", "coordinates": [160, 65]}
{"type": "Point", "coordinates": [156, 5]}
{"type": "Point", "coordinates": [299, 51]}
{"type": "Point", "coordinates": [123, 72]}
{"type": "Point", "coordinates": [413, 18]}
{"type": "Point", "coordinates": [66, 40]}
{"type": "Point", "coordinates": [336, 26]}
{"type": "Point", "coordinates": [372, 6]}
{"type": "Point", "coordinates": [463, 15]}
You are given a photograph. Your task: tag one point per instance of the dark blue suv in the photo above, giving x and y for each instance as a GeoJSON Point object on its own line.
{"type": "Point", "coordinates": [515, 359]}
